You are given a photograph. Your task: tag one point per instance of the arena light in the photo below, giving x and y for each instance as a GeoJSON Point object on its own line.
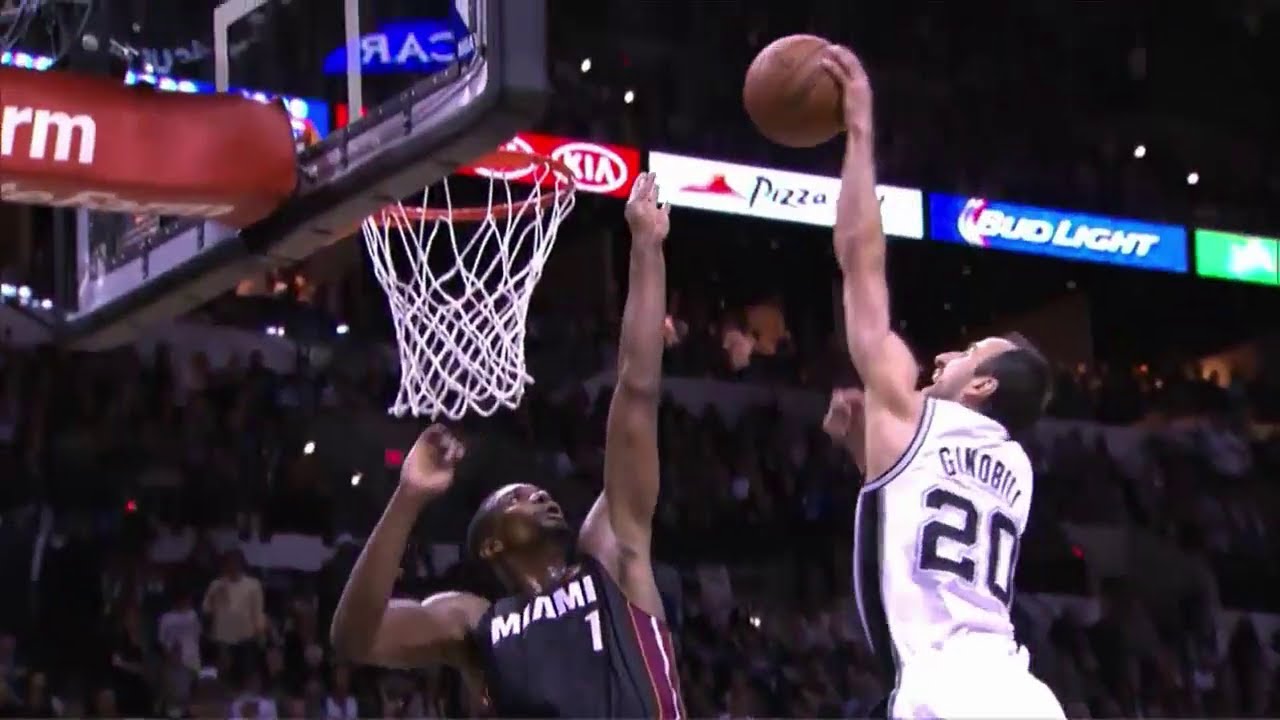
{"type": "Point", "coordinates": [343, 329]}
{"type": "Point", "coordinates": [26, 61]}
{"type": "Point", "coordinates": [585, 67]}
{"type": "Point", "coordinates": [1193, 178]}
{"type": "Point", "coordinates": [1140, 151]}
{"type": "Point", "coordinates": [355, 479]}
{"type": "Point", "coordinates": [629, 97]}
{"type": "Point", "coordinates": [393, 458]}
{"type": "Point", "coordinates": [309, 448]}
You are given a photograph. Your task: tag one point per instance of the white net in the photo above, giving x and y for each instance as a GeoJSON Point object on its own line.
{"type": "Point", "coordinates": [459, 281]}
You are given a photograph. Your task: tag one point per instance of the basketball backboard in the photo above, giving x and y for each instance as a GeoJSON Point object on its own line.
{"type": "Point", "coordinates": [440, 82]}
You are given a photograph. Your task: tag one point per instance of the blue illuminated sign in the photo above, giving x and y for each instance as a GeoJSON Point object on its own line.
{"type": "Point", "coordinates": [26, 61]}
{"type": "Point", "coordinates": [417, 46]}
{"type": "Point", "coordinates": [302, 111]}
{"type": "Point", "coordinates": [1057, 233]}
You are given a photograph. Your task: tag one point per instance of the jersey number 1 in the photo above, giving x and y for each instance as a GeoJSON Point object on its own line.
{"type": "Point", "coordinates": [593, 622]}
{"type": "Point", "coordinates": [1001, 540]}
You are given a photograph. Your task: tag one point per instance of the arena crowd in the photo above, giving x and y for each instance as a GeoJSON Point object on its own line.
{"type": "Point", "coordinates": [142, 483]}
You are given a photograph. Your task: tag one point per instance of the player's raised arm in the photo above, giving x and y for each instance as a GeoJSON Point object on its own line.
{"type": "Point", "coordinates": [889, 372]}
{"type": "Point", "coordinates": [368, 626]}
{"type": "Point", "coordinates": [619, 526]}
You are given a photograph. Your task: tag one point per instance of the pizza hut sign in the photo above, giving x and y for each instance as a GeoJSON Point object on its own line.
{"type": "Point", "coordinates": [597, 168]}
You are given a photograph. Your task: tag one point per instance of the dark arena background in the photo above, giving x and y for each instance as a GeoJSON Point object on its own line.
{"type": "Point", "coordinates": [179, 381]}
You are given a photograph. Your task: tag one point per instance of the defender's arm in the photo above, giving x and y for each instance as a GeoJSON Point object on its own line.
{"type": "Point", "coordinates": [888, 370]}
{"type": "Point", "coordinates": [846, 424]}
{"type": "Point", "coordinates": [618, 528]}
{"type": "Point", "coordinates": [410, 635]}
{"type": "Point", "coordinates": [368, 626]}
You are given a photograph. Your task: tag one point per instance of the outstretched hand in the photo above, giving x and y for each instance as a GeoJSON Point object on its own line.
{"type": "Point", "coordinates": [647, 219]}
{"type": "Point", "coordinates": [845, 402]}
{"type": "Point", "coordinates": [429, 467]}
{"type": "Point", "coordinates": [845, 68]}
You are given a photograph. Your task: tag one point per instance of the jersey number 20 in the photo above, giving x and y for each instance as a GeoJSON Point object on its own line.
{"type": "Point", "coordinates": [966, 540]}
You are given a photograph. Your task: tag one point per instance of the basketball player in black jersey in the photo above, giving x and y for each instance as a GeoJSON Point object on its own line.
{"type": "Point", "coordinates": [584, 633]}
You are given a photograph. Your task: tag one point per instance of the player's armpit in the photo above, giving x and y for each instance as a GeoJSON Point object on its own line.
{"type": "Point", "coordinates": [414, 635]}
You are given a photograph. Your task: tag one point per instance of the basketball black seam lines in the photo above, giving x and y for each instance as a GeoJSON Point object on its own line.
{"type": "Point", "coordinates": [806, 83]}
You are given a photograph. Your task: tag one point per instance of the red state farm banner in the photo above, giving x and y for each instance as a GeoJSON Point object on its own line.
{"type": "Point", "coordinates": [85, 141]}
{"type": "Point", "coordinates": [598, 168]}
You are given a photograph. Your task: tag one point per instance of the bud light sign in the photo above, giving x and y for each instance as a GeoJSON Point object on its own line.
{"type": "Point", "coordinates": [418, 46]}
{"type": "Point", "coordinates": [1055, 233]}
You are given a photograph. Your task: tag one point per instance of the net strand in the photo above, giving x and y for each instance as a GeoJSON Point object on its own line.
{"type": "Point", "coordinates": [460, 331]}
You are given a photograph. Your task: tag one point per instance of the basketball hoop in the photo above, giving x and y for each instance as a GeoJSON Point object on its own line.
{"type": "Point", "coordinates": [459, 296]}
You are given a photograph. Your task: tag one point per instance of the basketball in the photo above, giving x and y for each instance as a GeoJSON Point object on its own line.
{"type": "Point", "coordinates": [789, 97]}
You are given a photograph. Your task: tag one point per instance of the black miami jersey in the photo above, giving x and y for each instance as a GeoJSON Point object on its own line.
{"type": "Point", "coordinates": [579, 650]}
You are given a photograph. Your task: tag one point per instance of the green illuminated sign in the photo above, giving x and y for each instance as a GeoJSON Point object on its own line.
{"type": "Point", "coordinates": [1241, 258]}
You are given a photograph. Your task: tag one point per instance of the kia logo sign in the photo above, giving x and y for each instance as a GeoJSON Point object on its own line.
{"type": "Point", "coordinates": [597, 168]}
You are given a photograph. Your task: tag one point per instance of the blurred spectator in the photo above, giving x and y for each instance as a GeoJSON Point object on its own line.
{"type": "Point", "coordinates": [234, 602]}
{"type": "Point", "coordinates": [766, 324]}
{"type": "Point", "coordinates": [37, 702]}
{"type": "Point", "coordinates": [180, 630]}
{"type": "Point", "coordinates": [252, 704]}
{"type": "Point", "coordinates": [129, 663]}
{"type": "Point", "coordinates": [340, 704]}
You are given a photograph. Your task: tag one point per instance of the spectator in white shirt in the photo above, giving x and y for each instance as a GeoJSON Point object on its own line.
{"type": "Point", "coordinates": [181, 626]}
{"type": "Point", "coordinates": [340, 704]}
{"type": "Point", "coordinates": [234, 604]}
{"type": "Point", "coordinates": [251, 704]}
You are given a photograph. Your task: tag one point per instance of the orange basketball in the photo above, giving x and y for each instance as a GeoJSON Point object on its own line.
{"type": "Point", "coordinates": [789, 97]}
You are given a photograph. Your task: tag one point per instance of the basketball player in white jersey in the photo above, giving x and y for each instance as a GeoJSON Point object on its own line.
{"type": "Point", "coordinates": [948, 492]}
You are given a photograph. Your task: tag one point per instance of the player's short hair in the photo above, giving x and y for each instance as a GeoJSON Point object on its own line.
{"type": "Point", "coordinates": [1025, 382]}
{"type": "Point", "coordinates": [478, 529]}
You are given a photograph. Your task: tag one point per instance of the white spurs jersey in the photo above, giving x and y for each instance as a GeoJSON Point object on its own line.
{"type": "Point", "coordinates": [936, 536]}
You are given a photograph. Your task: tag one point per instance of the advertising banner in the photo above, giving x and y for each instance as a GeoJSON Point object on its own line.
{"type": "Point", "coordinates": [772, 194]}
{"type": "Point", "coordinates": [598, 168]}
{"type": "Point", "coordinates": [1242, 258]}
{"type": "Point", "coordinates": [1057, 233]}
{"type": "Point", "coordinates": [83, 141]}
{"type": "Point", "coordinates": [418, 46]}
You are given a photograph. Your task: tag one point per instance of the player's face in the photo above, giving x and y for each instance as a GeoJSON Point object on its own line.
{"type": "Point", "coordinates": [955, 373]}
{"type": "Point", "coordinates": [524, 514]}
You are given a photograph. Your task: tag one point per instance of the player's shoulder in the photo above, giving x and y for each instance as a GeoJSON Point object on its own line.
{"type": "Point", "coordinates": [948, 417]}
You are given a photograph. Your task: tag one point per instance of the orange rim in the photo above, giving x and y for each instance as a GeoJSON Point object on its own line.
{"type": "Point", "coordinates": [502, 161]}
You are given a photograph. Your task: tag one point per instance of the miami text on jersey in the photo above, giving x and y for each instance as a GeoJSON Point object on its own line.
{"type": "Point", "coordinates": [578, 593]}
